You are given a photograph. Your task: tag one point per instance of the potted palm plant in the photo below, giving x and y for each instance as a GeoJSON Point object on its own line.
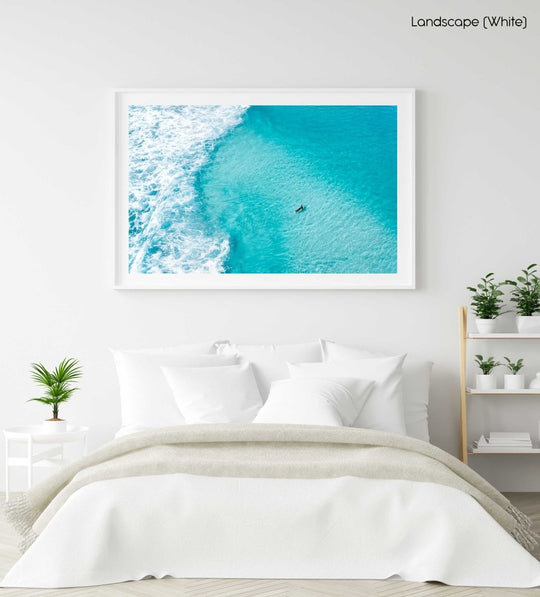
{"type": "Point", "coordinates": [58, 388]}
{"type": "Point", "coordinates": [486, 380]}
{"type": "Point", "coordinates": [526, 296]}
{"type": "Point", "coordinates": [486, 303]}
{"type": "Point", "coordinates": [514, 380]}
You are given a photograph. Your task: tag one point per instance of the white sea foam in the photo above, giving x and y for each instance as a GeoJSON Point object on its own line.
{"type": "Point", "coordinates": [168, 146]}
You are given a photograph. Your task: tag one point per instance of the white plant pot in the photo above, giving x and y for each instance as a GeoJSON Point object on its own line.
{"type": "Point", "coordinates": [535, 382]}
{"type": "Point", "coordinates": [514, 382]}
{"type": "Point", "coordinates": [486, 326]}
{"type": "Point", "coordinates": [528, 324]}
{"type": "Point", "coordinates": [486, 382]}
{"type": "Point", "coordinates": [50, 426]}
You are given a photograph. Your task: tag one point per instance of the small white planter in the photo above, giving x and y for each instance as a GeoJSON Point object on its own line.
{"type": "Point", "coordinates": [514, 382]}
{"type": "Point", "coordinates": [486, 326]}
{"type": "Point", "coordinates": [535, 382]}
{"type": "Point", "coordinates": [528, 324]}
{"type": "Point", "coordinates": [52, 426]}
{"type": "Point", "coordinates": [486, 382]}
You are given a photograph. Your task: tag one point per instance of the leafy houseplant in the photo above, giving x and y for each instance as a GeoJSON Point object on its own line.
{"type": "Point", "coordinates": [514, 380]}
{"type": "Point", "coordinates": [486, 381]}
{"type": "Point", "coordinates": [58, 387]}
{"type": "Point", "coordinates": [526, 296]}
{"type": "Point", "coordinates": [486, 302]}
{"type": "Point", "coordinates": [516, 367]}
{"type": "Point", "coordinates": [486, 366]}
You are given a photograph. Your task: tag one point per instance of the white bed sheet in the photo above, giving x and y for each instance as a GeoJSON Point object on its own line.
{"type": "Point", "coordinates": [195, 526]}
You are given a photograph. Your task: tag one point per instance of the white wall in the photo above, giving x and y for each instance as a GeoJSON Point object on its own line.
{"type": "Point", "coordinates": [478, 132]}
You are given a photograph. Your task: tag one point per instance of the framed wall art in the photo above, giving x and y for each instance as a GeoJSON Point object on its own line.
{"type": "Point", "coordinates": [264, 188]}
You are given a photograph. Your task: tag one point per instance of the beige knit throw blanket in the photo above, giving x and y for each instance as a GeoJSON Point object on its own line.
{"type": "Point", "coordinates": [256, 450]}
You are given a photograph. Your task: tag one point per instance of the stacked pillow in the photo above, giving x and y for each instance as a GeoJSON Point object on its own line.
{"type": "Point", "coordinates": [146, 398]}
{"type": "Point", "coordinates": [383, 409]}
{"type": "Point", "coordinates": [321, 383]}
{"type": "Point", "coordinates": [416, 376]}
{"type": "Point", "coordinates": [315, 401]}
{"type": "Point", "coordinates": [227, 394]}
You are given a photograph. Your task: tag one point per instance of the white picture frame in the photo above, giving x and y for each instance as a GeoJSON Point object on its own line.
{"type": "Point", "coordinates": [402, 99]}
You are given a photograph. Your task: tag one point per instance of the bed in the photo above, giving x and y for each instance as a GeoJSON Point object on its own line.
{"type": "Point", "coordinates": [299, 461]}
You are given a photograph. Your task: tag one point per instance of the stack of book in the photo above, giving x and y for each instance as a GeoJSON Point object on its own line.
{"type": "Point", "coordinates": [504, 441]}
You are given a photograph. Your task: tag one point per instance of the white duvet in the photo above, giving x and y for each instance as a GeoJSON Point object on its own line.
{"type": "Point", "coordinates": [185, 526]}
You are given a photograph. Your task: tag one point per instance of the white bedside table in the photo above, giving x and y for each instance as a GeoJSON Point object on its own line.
{"type": "Point", "coordinates": [33, 435]}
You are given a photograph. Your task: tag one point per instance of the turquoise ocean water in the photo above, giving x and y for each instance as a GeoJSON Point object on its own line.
{"type": "Point", "coordinates": [214, 189]}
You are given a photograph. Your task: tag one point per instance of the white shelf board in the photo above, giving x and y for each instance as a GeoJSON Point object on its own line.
{"type": "Point", "coordinates": [504, 336]}
{"type": "Point", "coordinates": [505, 451]}
{"type": "Point", "coordinates": [502, 392]}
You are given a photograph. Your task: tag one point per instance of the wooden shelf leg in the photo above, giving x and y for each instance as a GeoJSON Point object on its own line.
{"type": "Point", "coordinates": [463, 383]}
{"type": "Point", "coordinates": [7, 470]}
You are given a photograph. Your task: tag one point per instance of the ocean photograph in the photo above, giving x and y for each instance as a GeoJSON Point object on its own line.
{"type": "Point", "coordinates": [262, 189]}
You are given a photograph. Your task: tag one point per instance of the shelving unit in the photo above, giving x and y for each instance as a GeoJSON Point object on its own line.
{"type": "Point", "coordinates": [466, 392]}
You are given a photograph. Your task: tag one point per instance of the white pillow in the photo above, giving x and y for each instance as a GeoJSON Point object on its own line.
{"type": "Point", "coordinates": [270, 360]}
{"type": "Point", "coordinates": [221, 395]}
{"type": "Point", "coordinates": [315, 401]}
{"type": "Point", "coordinates": [197, 348]}
{"type": "Point", "coordinates": [416, 381]}
{"type": "Point", "coordinates": [146, 399]}
{"type": "Point", "coordinates": [384, 407]}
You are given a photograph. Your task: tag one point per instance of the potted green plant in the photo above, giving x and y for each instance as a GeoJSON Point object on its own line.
{"type": "Point", "coordinates": [486, 380]}
{"type": "Point", "coordinates": [486, 303]}
{"type": "Point", "coordinates": [58, 388]}
{"type": "Point", "coordinates": [525, 295]}
{"type": "Point", "coordinates": [514, 380]}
